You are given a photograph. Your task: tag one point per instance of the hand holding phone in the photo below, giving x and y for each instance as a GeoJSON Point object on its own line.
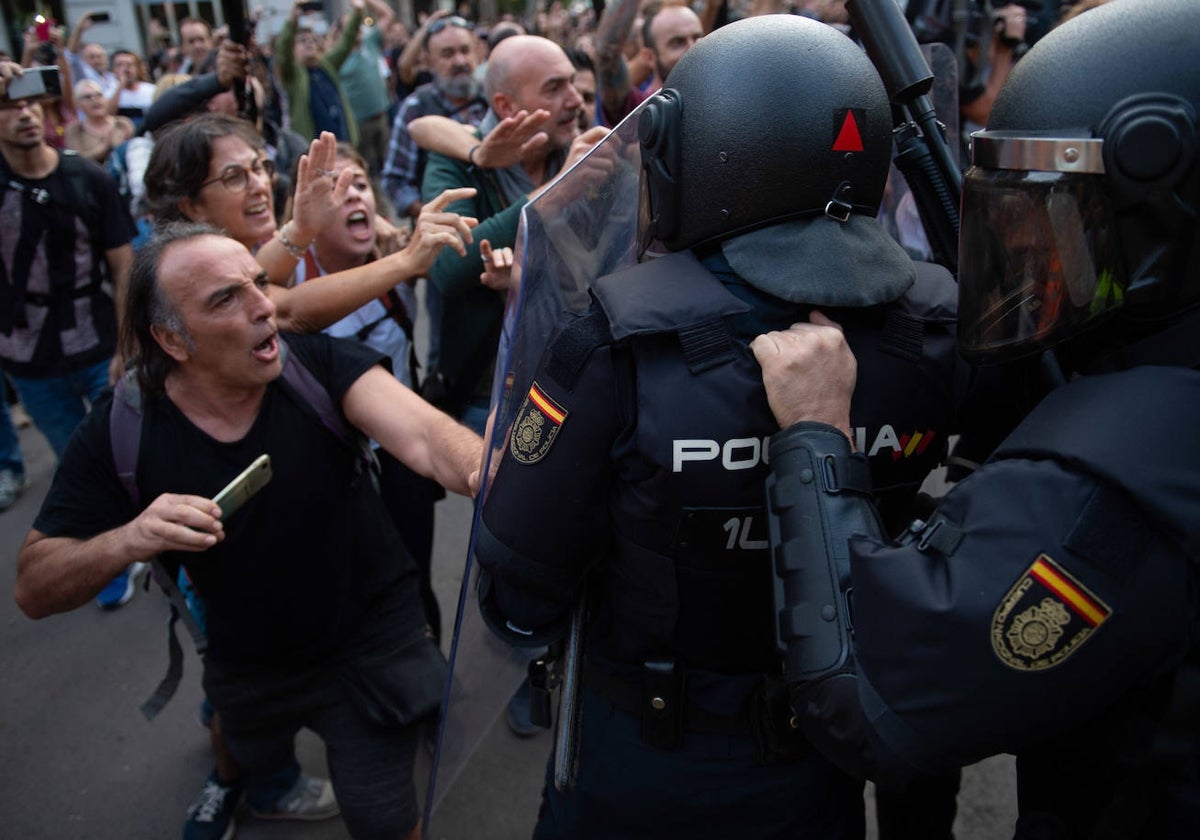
{"type": "Point", "coordinates": [34, 82]}
{"type": "Point", "coordinates": [42, 26]}
{"type": "Point", "coordinates": [241, 489]}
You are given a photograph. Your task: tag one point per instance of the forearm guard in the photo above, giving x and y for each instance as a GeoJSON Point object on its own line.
{"type": "Point", "coordinates": [818, 496]}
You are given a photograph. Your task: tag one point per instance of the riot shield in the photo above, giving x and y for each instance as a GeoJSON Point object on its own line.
{"type": "Point", "coordinates": [583, 227]}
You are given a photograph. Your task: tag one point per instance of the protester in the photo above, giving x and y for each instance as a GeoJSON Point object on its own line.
{"type": "Point", "coordinates": [314, 617]}
{"type": "Point", "coordinates": [309, 76]}
{"type": "Point", "coordinates": [366, 88]}
{"type": "Point", "coordinates": [135, 94]}
{"type": "Point", "coordinates": [385, 324]}
{"type": "Point", "coordinates": [526, 73]}
{"type": "Point", "coordinates": [67, 234]}
{"type": "Point", "coordinates": [99, 132]}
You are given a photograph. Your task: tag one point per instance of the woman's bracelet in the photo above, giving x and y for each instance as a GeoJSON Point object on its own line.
{"type": "Point", "coordinates": [471, 155]}
{"type": "Point", "coordinates": [297, 251]}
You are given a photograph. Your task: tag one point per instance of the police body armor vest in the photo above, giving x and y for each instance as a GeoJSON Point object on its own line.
{"type": "Point", "coordinates": [690, 576]}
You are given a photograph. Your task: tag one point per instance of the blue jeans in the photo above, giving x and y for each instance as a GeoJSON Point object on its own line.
{"type": "Point", "coordinates": [57, 403]}
{"type": "Point", "coordinates": [10, 450]}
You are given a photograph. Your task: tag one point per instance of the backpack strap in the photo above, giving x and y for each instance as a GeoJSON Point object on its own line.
{"type": "Point", "coordinates": [125, 434]}
{"type": "Point", "coordinates": [311, 394]}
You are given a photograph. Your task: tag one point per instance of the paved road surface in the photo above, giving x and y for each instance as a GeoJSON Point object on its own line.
{"type": "Point", "coordinates": [77, 760]}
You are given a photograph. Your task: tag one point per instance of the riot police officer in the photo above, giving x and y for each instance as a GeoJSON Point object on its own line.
{"type": "Point", "coordinates": [1049, 607]}
{"type": "Point", "coordinates": [634, 467]}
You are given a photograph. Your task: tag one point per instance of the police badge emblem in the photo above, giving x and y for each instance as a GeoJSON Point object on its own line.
{"type": "Point", "coordinates": [536, 426]}
{"type": "Point", "coordinates": [1045, 617]}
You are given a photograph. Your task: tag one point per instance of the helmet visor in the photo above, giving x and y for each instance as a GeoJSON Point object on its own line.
{"type": "Point", "coordinates": [1039, 261]}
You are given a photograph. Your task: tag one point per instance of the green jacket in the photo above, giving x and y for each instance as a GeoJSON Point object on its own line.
{"type": "Point", "coordinates": [294, 78]}
{"type": "Point", "coordinates": [473, 313]}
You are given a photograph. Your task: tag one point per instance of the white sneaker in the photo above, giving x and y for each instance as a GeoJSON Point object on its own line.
{"type": "Point", "coordinates": [120, 589]}
{"type": "Point", "coordinates": [10, 488]}
{"type": "Point", "coordinates": [310, 798]}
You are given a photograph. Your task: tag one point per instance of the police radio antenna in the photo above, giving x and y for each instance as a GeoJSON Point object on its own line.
{"type": "Point", "coordinates": [923, 154]}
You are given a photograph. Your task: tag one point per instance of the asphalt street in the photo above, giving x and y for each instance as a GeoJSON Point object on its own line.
{"type": "Point", "coordinates": [79, 760]}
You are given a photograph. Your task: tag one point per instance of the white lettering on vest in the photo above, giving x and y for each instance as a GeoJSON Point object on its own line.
{"type": "Point", "coordinates": [735, 454]}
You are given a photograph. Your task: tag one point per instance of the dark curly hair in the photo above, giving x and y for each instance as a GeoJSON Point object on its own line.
{"type": "Point", "coordinates": [179, 163]}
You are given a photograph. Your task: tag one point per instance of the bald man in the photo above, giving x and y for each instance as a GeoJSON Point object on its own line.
{"type": "Point", "coordinates": [524, 73]}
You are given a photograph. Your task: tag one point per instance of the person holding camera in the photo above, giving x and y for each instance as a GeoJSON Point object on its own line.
{"type": "Point", "coordinates": [90, 60]}
{"type": "Point", "coordinates": [58, 331]}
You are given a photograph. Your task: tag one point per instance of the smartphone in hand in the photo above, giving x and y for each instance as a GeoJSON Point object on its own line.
{"type": "Point", "coordinates": [241, 489]}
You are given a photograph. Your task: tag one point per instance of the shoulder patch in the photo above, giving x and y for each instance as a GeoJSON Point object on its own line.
{"type": "Point", "coordinates": [1045, 617]}
{"type": "Point", "coordinates": [536, 426]}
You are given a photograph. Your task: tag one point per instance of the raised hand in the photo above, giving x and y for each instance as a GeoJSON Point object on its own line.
{"type": "Point", "coordinates": [437, 228]}
{"type": "Point", "coordinates": [497, 266]}
{"type": "Point", "coordinates": [507, 143]}
{"type": "Point", "coordinates": [318, 197]}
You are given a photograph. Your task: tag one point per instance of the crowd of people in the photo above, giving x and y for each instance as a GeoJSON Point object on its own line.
{"type": "Point", "coordinates": [211, 253]}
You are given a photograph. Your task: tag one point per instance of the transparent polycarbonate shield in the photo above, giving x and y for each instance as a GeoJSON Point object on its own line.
{"type": "Point", "coordinates": [583, 227]}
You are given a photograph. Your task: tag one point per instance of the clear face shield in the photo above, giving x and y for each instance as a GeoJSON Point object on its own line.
{"type": "Point", "coordinates": [1040, 260]}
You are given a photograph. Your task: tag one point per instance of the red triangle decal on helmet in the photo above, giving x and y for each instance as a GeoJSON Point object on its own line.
{"type": "Point", "coordinates": [848, 139]}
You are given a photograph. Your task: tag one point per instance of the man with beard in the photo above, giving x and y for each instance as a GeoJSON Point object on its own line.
{"type": "Point", "coordinates": [667, 33]}
{"type": "Point", "coordinates": [454, 92]}
{"type": "Point", "coordinates": [526, 74]}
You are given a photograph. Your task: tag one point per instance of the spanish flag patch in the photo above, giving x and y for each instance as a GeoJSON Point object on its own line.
{"type": "Point", "coordinates": [1045, 617]}
{"type": "Point", "coordinates": [536, 426]}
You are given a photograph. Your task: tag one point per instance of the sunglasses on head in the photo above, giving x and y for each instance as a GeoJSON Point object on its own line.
{"type": "Point", "coordinates": [454, 20]}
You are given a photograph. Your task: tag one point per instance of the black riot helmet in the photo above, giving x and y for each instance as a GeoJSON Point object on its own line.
{"type": "Point", "coordinates": [770, 118]}
{"type": "Point", "coordinates": [1081, 207]}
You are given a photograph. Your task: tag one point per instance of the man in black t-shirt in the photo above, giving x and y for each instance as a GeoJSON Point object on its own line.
{"type": "Point", "coordinates": [64, 235]}
{"type": "Point", "coordinates": [314, 617]}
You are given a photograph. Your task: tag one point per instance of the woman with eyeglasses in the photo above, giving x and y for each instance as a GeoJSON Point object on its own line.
{"type": "Point", "coordinates": [214, 169]}
{"type": "Point", "coordinates": [99, 132]}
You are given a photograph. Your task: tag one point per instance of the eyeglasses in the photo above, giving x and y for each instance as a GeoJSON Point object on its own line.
{"type": "Point", "coordinates": [235, 177]}
{"type": "Point", "coordinates": [454, 20]}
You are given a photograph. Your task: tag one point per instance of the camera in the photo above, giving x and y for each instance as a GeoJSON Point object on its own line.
{"type": "Point", "coordinates": [100, 17]}
{"type": "Point", "coordinates": [309, 6]}
{"type": "Point", "coordinates": [34, 83]}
